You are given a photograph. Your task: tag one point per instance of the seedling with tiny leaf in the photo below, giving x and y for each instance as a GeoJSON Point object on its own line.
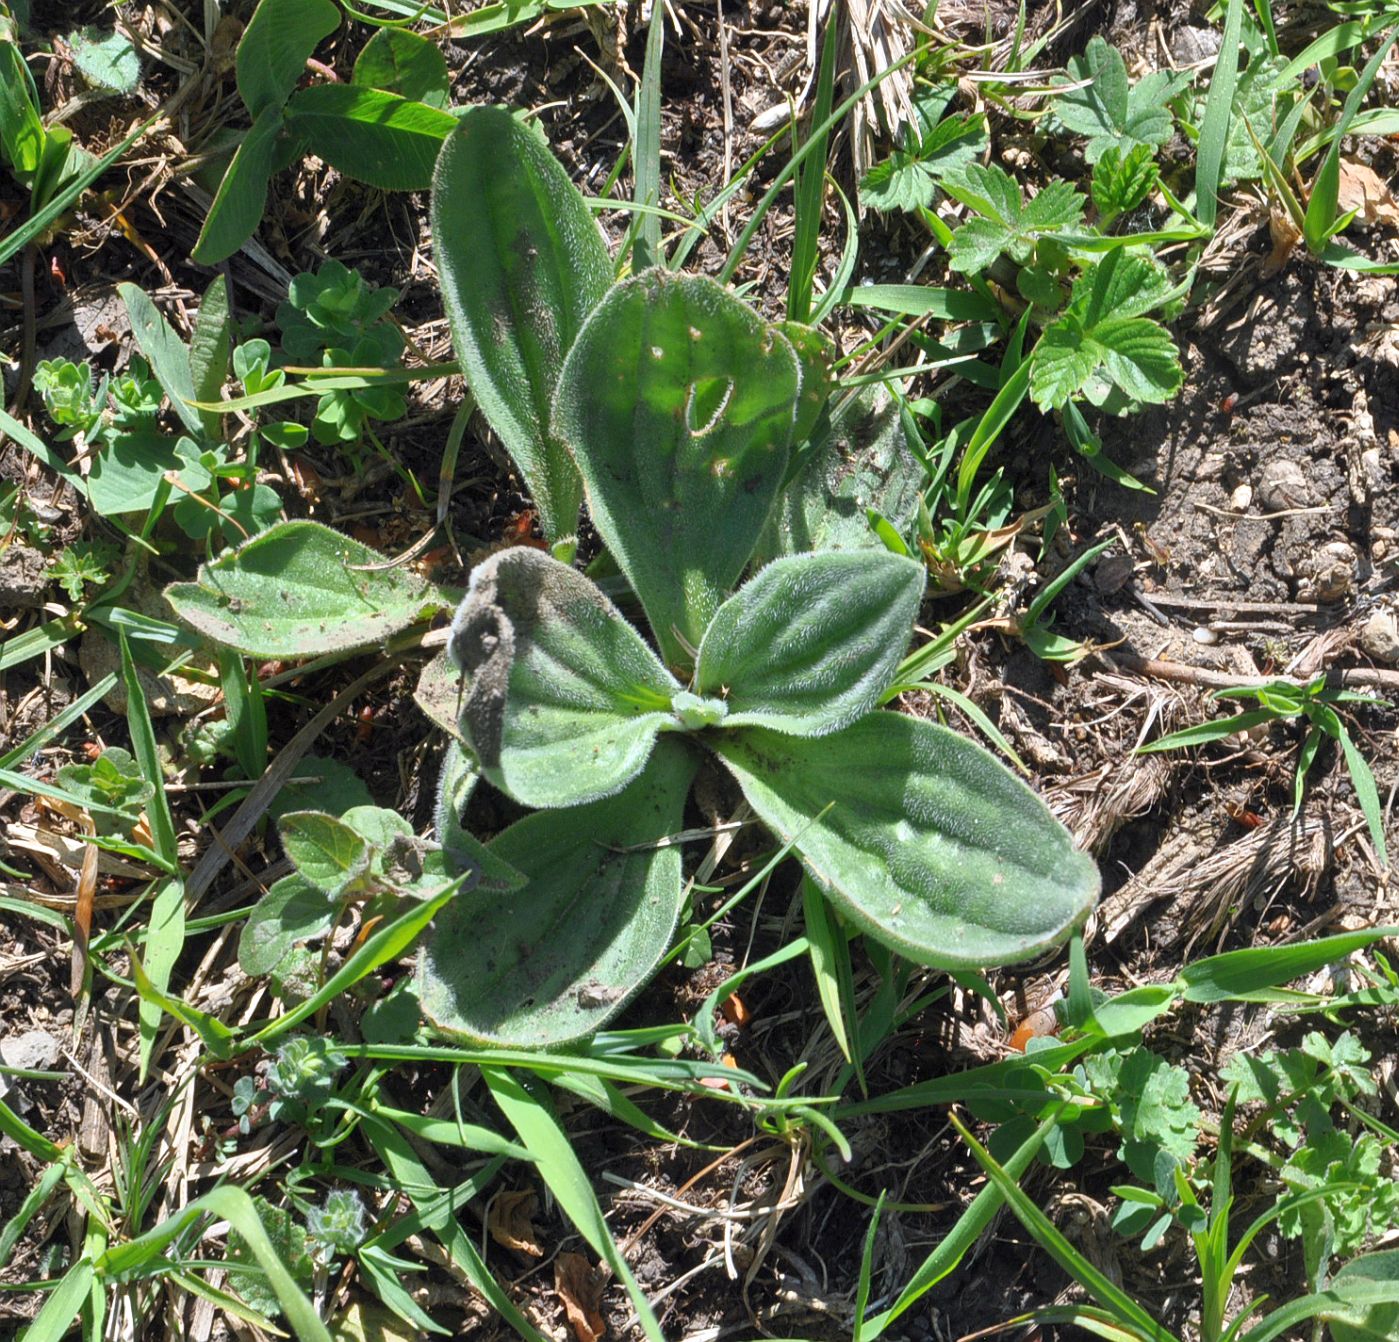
{"type": "Point", "coordinates": [1313, 703]}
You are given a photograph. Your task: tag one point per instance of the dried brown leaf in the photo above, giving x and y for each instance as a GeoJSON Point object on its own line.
{"type": "Point", "coordinates": [579, 1286]}
{"type": "Point", "coordinates": [1363, 190]}
{"type": "Point", "coordinates": [509, 1222]}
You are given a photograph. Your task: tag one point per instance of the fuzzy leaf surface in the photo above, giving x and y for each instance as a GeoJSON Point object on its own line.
{"type": "Point", "coordinates": [523, 263]}
{"type": "Point", "coordinates": [242, 194]}
{"type": "Point", "coordinates": [557, 959]}
{"type": "Point", "coordinates": [293, 911]}
{"type": "Point", "coordinates": [401, 62]}
{"type": "Point", "coordinates": [679, 406]}
{"type": "Point", "coordinates": [564, 699]}
{"type": "Point", "coordinates": [298, 590]}
{"type": "Point", "coordinates": [809, 643]}
{"type": "Point", "coordinates": [858, 460]}
{"type": "Point", "coordinates": [929, 844]}
{"type": "Point", "coordinates": [327, 852]}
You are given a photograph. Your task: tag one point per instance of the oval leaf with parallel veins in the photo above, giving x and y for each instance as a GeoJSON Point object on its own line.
{"type": "Point", "coordinates": [559, 958]}
{"type": "Point", "coordinates": [523, 263]}
{"type": "Point", "coordinates": [564, 700]}
{"type": "Point", "coordinates": [919, 837]}
{"type": "Point", "coordinates": [678, 405]}
{"type": "Point", "coordinates": [811, 642]}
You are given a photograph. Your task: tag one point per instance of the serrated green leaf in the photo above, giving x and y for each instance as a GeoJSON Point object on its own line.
{"type": "Point", "coordinates": [298, 590]}
{"type": "Point", "coordinates": [811, 642]}
{"type": "Point", "coordinates": [900, 182]}
{"type": "Point", "coordinates": [601, 900]}
{"type": "Point", "coordinates": [1111, 110]}
{"type": "Point", "coordinates": [523, 264]}
{"type": "Point", "coordinates": [1122, 179]}
{"type": "Point", "coordinates": [564, 699]}
{"type": "Point", "coordinates": [678, 404]}
{"type": "Point", "coordinates": [1140, 357]}
{"type": "Point", "coordinates": [375, 137]}
{"type": "Point", "coordinates": [1007, 224]}
{"type": "Point", "coordinates": [919, 836]}
{"type": "Point", "coordinates": [275, 46]}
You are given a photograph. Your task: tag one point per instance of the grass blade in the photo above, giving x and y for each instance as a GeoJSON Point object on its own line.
{"type": "Point", "coordinates": [646, 157]}
{"type": "Point", "coordinates": [1219, 109]}
{"type": "Point", "coordinates": [539, 1130]}
{"type": "Point", "coordinates": [809, 190]}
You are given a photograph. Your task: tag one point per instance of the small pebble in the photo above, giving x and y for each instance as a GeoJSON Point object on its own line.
{"type": "Point", "coordinates": [1203, 635]}
{"type": "Point", "coordinates": [1241, 498]}
{"type": "Point", "coordinates": [1380, 636]}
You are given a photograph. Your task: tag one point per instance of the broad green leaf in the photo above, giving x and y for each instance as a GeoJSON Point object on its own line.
{"type": "Point", "coordinates": [1102, 330]}
{"type": "Point", "coordinates": [326, 852]}
{"type": "Point", "coordinates": [108, 61]}
{"type": "Point", "coordinates": [1111, 110]}
{"type": "Point", "coordinates": [815, 352]}
{"type": "Point", "coordinates": [298, 590]}
{"type": "Point", "coordinates": [920, 837]}
{"type": "Point", "coordinates": [1376, 1321]}
{"type": "Point", "coordinates": [858, 461]}
{"type": "Point", "coordinates": [292, 912]}
{"type": "Point", "coordinates": [209, 349]}
{"type": "Point", "coordinates": [565, 954]}
{"type": "Point", "coordinates": [401, 62]}
{"type": "Point", "coordinates": [375, 137]}
{"type": "Point", "coordinates": [1006, 223]}
{"type": "Point", "coordinates": [130, 471]}
{"type": "Point", "coordinates": [242, 195]}
{"type": "Point", "coordinates": [522, 264]}
{"type": "Point", "coordinates": [678, 405]}
{"type": "Point", "coordinates": [564, 699]}
{"type": "Point", "coordinates": [168, 354]}
{"type": "Point", "coordinates": [275, 46]}
{"type": "Point", "coordinates": [811, 642]}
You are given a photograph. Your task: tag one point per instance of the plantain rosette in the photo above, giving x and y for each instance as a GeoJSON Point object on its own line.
{"type": "Point", "coordinates": [679, 406]}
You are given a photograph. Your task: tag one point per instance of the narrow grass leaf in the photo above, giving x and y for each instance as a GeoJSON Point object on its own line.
{"type": "Point", "coordinates": [826, 944]}
{"type": "Point", "coordinates": [646, 149]}
{"type": "Point", "coordinates": [1214, 127]}
{"type": "Point", "coordinates": [559, 1167]}
{"type": "Point", "coordinates": [1235, 975]}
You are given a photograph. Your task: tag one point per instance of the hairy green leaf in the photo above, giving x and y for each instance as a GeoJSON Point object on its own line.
{"type": "Point", "coordinates": [298, 590]}
{"type": "Point", "coordinates": [1376, 1320]}
{"type": "Point", "coordinates": [601, 899]}
{"type": "Point", "coordinates": [678, 405]}
{"type": "Point", "coordinates": [1122, 179]}
{"type": "Point", "coordinates": [275, 47]}
{"type": "Point", "coordinates": [811, 642]}
{"type": "Point", "coordinates": [564, 699]}
{"type": "Point", "coordinates": [522, 264]}
{"type": "Point", "coordinates": [326, 852]}
{"type": "Point", "coordinates": [375, 137]}
{"type": "Point", "coordinates": [209, 349]}
{"type": "Point", "coordinates": [108, 61]}
{"type": "Point", "coordinates": [919, 836]}
{"type": "Point", "coordinates": [168, 354]}
{"type": "Point", "coordinates": [858, 461]}
{"type": "Point", "coordinates": [293, 911]}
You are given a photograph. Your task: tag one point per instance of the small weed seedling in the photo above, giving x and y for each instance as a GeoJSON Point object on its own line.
{"type": "Point", "coordinates": [1313, 703]}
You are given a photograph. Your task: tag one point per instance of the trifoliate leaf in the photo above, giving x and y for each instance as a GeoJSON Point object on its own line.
{"type": "Point", "coordinates": [1109, 109]}
{"type": "Point", "coordinates": [908, 178]}
{"type": "Point", "coordinates": [1103, 331]}
{"type": "Point", "coordinates": [1007, 223]}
